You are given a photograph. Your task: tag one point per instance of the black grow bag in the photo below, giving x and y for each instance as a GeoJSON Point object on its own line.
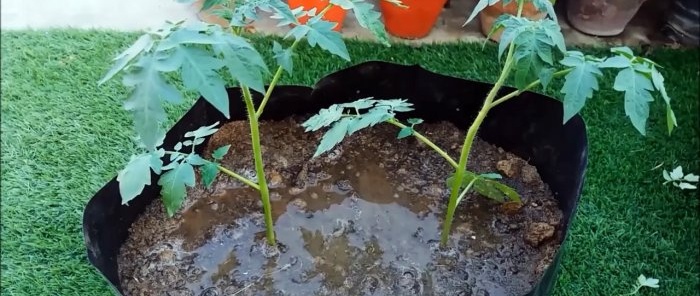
{"type": "Point", "coordinates": [529, 126]}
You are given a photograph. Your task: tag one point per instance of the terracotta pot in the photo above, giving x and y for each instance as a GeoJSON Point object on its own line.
{"type": "Point", "coordinates": [336, 14]}
{"type": "Point", "coordinates": [414, 22]}
{"type": "Point", "coordinates": [491, 13]}
{"type": "Point", "coordinates": [601, 17]}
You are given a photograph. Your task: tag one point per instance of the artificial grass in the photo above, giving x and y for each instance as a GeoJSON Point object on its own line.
{"type": "Point", "coordinates": [63, 137]}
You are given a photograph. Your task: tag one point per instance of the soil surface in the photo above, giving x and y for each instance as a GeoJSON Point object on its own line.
{"type": "Point", "coordinates": [363, 219]}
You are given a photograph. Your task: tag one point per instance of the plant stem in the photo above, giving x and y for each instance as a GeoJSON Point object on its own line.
{"type": "Point", "coordinates": [468, 141]}
{"type": "Point", "coordinates": [238, 177]}
{"type": "Point", "coordinates": [259, 165]}
{"type": "Point", "coordinates": [426, 141]}
{"type": "Point", "coordinates": [280, 70]}
{"type": "Point", "coordinates": [528, 87]}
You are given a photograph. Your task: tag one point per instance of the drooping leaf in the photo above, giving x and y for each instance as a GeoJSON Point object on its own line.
{"type": "Point", "coordinates": [199, 73]}
{"type": "Point", "coordinates": [579, 84]}
{"type": "Point", "coordinates": [636, 87]}
{"type": "Point", "coordinates": [545, 76]}
{"type": "Point", "coordinates": [209, 171]}
{"type": "Point", "coordinates": [369, 19]}
{"type": "Point", "coordinates": [321, 33]}
{"type": "Point", "coordinates": [479, 7]}
{"type": "Point", "coordinates": [658, 81]}
{"type": "Point", "coordinates": [144, 101]}
{"type": "Point", "coordinates": [415, 121]}
{"type": "Point", "coordinates": [333, 136]}
{"type": "Point", "coordinates": [220, 152]}
{"type": "Point", "coordinates": [174, 183]}
{"type": "Point", "coordinates": [135, 176]}
{"type": "Point", "coordinates": [202, 131]}
{"type": "Point", "coordinates": [488, 187]}
{"type": "Point", "coordinates": [283, 56]}
{"type": "Point", "coordinates": [545, 6]}
{"type": "Point", "coordinates": [196, 33]}
{"type": "Point", "coordinates": [396, 105]}
{"type": "Point", "coordinates": [143, 43]}
{"type": "Point", "coordinates": [404, 132]}
{"type": "Point", "coordinates": [243, 62]}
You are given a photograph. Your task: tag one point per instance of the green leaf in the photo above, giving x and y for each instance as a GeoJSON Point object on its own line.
{"type": "Point", "coordinates": [636, 87]}
{"type": "Point", "coordinates": [371, 118]}
{"type": "Point", "coordinates": [247, 10]}
{"type": "Point", "coordinates": [479, 7]}
{"type": "Point", "coordinates": [196, 33]}
{"type": "Point", "coordinates": [144, 101]}
{"type": "Point", "coordinates": [173, 184]}
{"type": "Point", "coordinates": [143, 43]}
{"type": "Point", "coordinates": [491, 176]}
{"type": "Point", "coordinates": [396, 105]}
{"type": "Point", "coordinates": [615, 62]}
{"type": "Point", "coordinates": [512, 27]}
{"type": "Point", "coordinates": [136, 175]}
{"type": "Point", "coordinates": [211, 3]}
{"type": "Point", "coordinates": [360, 104]}
{"type": "Point", "coordinates": [579, 84]}
{"type": "Point", "coordinates": [209, 171]}
{"type": "Point", "coordinates": [369, 19]}
{"type": "Point", "coordinates": [333, 136]}
{"type": "Point", "coordinates": [658, 81]}
{"type": "Point", "coordinates": [199, 73]}
{"type": "Point", "coordinates": [415, 121]}
{"type": "Point", "coordinates": [283, 56]}
{"type": "Point", "coordinates": [489, 188]}
{"type": "Point", "coordinates": [244, 63]}
{"type": "Point", "coordinates": [546, 6]}
{"type": "Point", "coordinates": [545, 76]}
{"type": "Point", "coordinates": [195, 160]}
{"type": "Point", "coordinates": [623, 50]}
{"type": "Point", "coordinates": [220, 152]}
{"type": "Point", "coordinates": [321, 33]}
{"type": "Point", "coordinates": [203, 131]}
{"type": "Point", "coordinates": [325, 117]}
{"type": "Point", "coordinates": [404, 132]}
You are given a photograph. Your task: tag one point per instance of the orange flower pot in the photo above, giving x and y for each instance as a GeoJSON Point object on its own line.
{"type": "Point", "coordinates": [335, 14]}
{"type": "Point", "coordinates": [491, 13]}
{"type": "Point", "coordinates": [413, 22]}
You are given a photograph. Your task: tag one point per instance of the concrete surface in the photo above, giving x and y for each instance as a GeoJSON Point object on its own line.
{"type": "Point", "coordinates": [124, 15]}
{"type": "Point", "coordinates": [131, 15]}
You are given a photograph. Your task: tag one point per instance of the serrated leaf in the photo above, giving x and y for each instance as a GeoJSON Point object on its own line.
{"type": "Point", "coordinates": [202, 131]}
{"type": "Point", "coordinates": [144, 101]}
{"type": "Point", "coordinates": [321, 33]}
{"type": "Point", "coordinates": [199, 73]}
{"type": "Point", "coordinates": [135, 176]}
{"type": "Point", "coordinates": [143, 43]}
{"type": "Point", "coordinates": [283, 56]}
{"type": "Point", "coordinates": [360, 104]}
{"type": "Point", "coordinates": [615, 62]}
{"type": "Point", "coordinates": [415, 121]}
{"type": "Point", "coordinates": [196, 33]}
{"type": "Point", "coordinates": [174, 183]}
{"type": "Point", "coordinates": [244, 63]}
{"type": "Point", "coordinates": [369, 19]}
{"type": "Point", "coordinates": [324, 118]}
{"type": "Point", "coordinates": [546, 6]}
{"type": "Point", "coordinates": [195, 160]}
{"type": "Point", "coordinates": [371, 118]}
{"type": "Point", "coordinates": [333, 136]}
{"type": "Point", "coordinates": [220, 152]}
{"type": "Point", "coordinates": [479, 7]}
{"type": "Point", "coordinates": [579, 84]}
{"type": "Point", "coordinates": [404, 132]}
{"type": "Point", "coordinates": [512, 27]}
{"type": "Point", "coordinates": [209, 171]}
{"type": "Point", "coordinates": [636, 87]}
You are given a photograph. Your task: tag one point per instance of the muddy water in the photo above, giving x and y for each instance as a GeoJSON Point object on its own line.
{"type": "Point", "coordinates": [365, 220]}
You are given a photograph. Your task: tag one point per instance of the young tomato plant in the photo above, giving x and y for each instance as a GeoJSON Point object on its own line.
{"type": "Point", "coordinates": [204, 56]}
{"type": "Point", "coordinates": [535, 54]}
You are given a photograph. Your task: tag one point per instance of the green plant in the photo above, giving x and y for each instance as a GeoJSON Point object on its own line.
{"type": "Point", "coordinates": [680, 180]}
{"type": "Point", "coordinates": [643, 281]}
{"type": "Point", "coordinates": [199, 53]}
{"type": "Point", "coordinates": [535, 54]}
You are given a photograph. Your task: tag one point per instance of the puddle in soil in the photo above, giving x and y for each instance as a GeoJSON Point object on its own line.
{"type": "Point", "coordinates": [336, 241]}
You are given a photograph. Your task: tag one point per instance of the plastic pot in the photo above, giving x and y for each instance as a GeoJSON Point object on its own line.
{"type": "Point", "coordinates": [492, 12]}
{"type": "Point", "coordinates": [528, 126]}
{"type": "Point", "coordinates": [601, 17]}
{"type": "Point", "coordinates": [335, 14]}
{"type": "Point", "coordinates": [413, 22]}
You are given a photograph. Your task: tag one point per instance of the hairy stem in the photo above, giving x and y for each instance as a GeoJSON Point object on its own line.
{"type": "Point", "coordinates": [280, 70]}
{"type": "Point", "coordinates": [469, 140]}
{"type": "Point", "coordinates": [426, 141]}
{"type": "Point", "coordinates": [528, 87]}
{"type": "Point", "coordinates": [259, 165]}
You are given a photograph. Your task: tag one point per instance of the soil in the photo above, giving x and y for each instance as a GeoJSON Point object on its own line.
{"type": "Point", "coordinates": [363, 219]}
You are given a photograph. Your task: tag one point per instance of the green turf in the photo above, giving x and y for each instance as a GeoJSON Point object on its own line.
{"type": "Point", "coordinates": [63, 138]}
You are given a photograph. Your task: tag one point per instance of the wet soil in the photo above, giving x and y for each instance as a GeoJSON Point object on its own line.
{"type": "Point", "coordinates": [363, 219]}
